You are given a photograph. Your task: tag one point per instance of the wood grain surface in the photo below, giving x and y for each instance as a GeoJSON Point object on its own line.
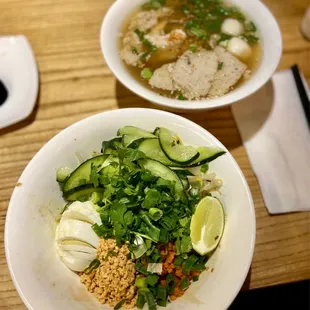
{"type": "Point", "coordinates": [75, 83]}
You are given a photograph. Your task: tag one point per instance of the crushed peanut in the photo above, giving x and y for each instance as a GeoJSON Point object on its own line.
{"type": "Point", "coordinates": [114, 279]}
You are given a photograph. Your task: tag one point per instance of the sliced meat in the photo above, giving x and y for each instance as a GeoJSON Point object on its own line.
{"type": "Point", "coordinates": [193, 73]}
{"type": "Point", "coordinates": [145, 20]}
{"type": "Point", "coordinates": [132, 49]}
{"type": "Point", "coordinates": [230, 73]}
{"type": "Point", "coordinates": [172, 39]}
{"type": "Point", "coordinates": [161, 78]}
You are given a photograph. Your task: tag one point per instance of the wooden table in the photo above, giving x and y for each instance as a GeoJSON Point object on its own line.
{"type": "Point", "coordinates": [76, 83]}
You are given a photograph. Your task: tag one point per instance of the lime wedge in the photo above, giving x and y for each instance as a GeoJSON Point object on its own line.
{"type": "Point", "coordinates": [207, 225]}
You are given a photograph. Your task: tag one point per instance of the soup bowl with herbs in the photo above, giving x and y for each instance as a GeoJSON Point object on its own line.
{"type": "Point", "coordinates": [191, 54]}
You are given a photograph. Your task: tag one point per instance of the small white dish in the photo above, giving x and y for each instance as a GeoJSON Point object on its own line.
{"type": "Point", "coordinates": [271, 46]}
{"type": "Point", "coordinates": [44, 282]}
{"type": "Point", "coordinates": [19, 73]}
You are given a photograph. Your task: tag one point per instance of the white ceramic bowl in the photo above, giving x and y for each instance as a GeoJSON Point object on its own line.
{"type": "Point", "coordinates": [44, 282]}
{"type": "Point", "coordinates": [256, 10]}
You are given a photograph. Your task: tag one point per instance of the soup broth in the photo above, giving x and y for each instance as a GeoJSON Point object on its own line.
{"type": "Point", "coordinates": [193, 30]}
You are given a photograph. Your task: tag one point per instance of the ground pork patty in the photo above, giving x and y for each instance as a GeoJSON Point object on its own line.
{"type": "Point", "coordinates": [114, 279]}
{"type": "Point", "coordinates": [193, 73]}
{"type": "Point", "coordinates": [161, 78]}
{"type": "Point", "coordinates": [230, 73]}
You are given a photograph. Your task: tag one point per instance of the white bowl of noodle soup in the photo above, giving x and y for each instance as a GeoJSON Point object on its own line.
{"type": "Point", "coordinates": [271, 51]}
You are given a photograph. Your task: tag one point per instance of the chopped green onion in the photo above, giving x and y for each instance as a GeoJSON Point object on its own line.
{"type": "Point", "coordinates": [140, 268]}
{"type": "Point", "coordinates": [120, 304]}
{"type": "Point", "coordinates": [251, 39]}
{"type": "Point", "coordinates": [249, 26]}
{"type": "Point", "coordinates": [224, 37]}
{"type": "Point", "coordinates": [193, 47]}
{"type": "Point", "coordinates": [188, 264]}
{"type": "Point", "coordinates": [148, 44]}
{"type": "Point", "coordinates": [140, 34]}
{"type": "Point", "coordinates": [156, 257]}
{"type": "Point", "coordinates": [161, 295]}
{"type": "Point", "coordinates": [156, 213]}
{"type": "Point", "coordinates": [178, 261]}
{"type": "Point", "coordinates": [200, 33]}
{"type": "Point", "coordinates": [153, 231]}
{"type": "Point", "coordinates": [140, 301]}
{"type": "Point", "coordinates": [140, 282]}
{"type": "Point", "coordinates": [92, 266]}
{"type": "Point", "coordinates": [152, 279]}
{"type": "Point", "coordinates": [204, 168]}
{"type": "Point", "coordinates": [134, 51]}
{"type": "Point", "coordinates": [198, 267]}
{"type": "Point", "coordinates": [195, 278]}
{"type": "Point", "coordinates": [163, 238]}
{"type": "Point", "coordinates": [149, 299]}
{"type": "Point", "coordinates": [170, 281]}
{"type": "Point", "coordinates": [220, 66]}
{"type": "Point", "coordinates": [181, 97]}
{"type": "Point", "coordinates": [184, 284]}
{"type": "Point", "coordinates": [194, 191]}
{"type": "Point", "coordinates": [145, 55]}
{"type": "Point", "coordinates": [153, 4]}
{"type": "Point", "coordinates": [155, 268]}
{"type": "Point", "coordinates": [146, 73]}
{"type": "Point", "coordinates": [140, 247]}
{"type": "Point", "coordinates": [110, 253]}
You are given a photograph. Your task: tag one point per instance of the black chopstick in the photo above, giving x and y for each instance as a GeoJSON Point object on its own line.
{"type": "Point", "coordinates": [3, 93]}
{"type": "Point", "coordinates": [302, 92]}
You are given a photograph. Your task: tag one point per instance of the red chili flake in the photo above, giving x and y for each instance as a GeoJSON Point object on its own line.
{"type": "Point", "coordinates": [212, 269]}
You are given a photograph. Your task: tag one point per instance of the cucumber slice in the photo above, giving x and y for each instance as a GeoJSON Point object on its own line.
{"type": "Point", "coordinates": [114, 144]}
{"type": "Point", "coordinates": [134, 131]}
{"type": "Point", "coordinates": [82, 194]}
{"type": "Point", "coordinates": [185, 183]}
{"type": "Point", "coordinates": [156, 131]}
{"type": "Point", "coordinates": [173, 149]}
{"type": "Point", "coordinates": [131, 134]}
{"type": "Point", "coordinates": [160, 170]}
{"type": "Point", "coordinates": [151, 148]}
{"type": "Point", "coordinates": [129, 140]}
{"type": "Point", "coordinates": [206, 155]}
{"type": "Point", "coordinates": [82, 172]}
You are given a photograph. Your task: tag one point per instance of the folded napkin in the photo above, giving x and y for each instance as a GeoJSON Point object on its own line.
{"type": "Point", "coordinates": [274, 129]}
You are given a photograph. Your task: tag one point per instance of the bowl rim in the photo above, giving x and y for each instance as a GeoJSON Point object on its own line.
{"type": "Point", "coordinates": [240, 93]}
{"type": "Point", "coordinates": [63, 132]}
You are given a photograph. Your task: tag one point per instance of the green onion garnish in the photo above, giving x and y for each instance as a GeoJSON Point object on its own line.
{"type": "Point", "coordinates": [188, 264]}
{"type": "Point", "coordinates": [120, 304]}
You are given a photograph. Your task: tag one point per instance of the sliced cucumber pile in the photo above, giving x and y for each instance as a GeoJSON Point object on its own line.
{"type": "Point", "coordinates": [169, 150]}
{"type": "Point", "coordinates": [163, 149]}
